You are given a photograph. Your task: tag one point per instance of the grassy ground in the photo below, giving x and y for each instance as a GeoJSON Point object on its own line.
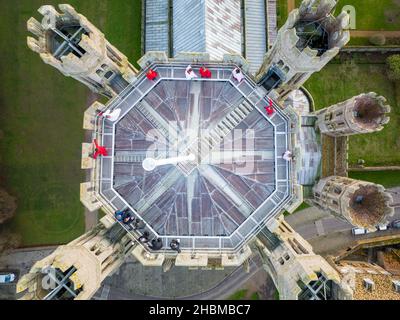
{"type": "Point", "coordinates": [255, 296]}
{"type": "Point", "coordinates": [244, 295]}
{"type": "Point", "coordinates": [41, 120]}
{"type": "Point", "coordinates": [340, 81]}
{"type": "Point", "coordinates": [365, 41]}
{"type": "Point", "coordinates": [301, 207]}
{"type": "Point", "coordinates": [375, 14]}
{"type": "Point", "coordinates": [370, 14]}
{"type": "Point", "coordinates": [282, 12]}
{"type": "Point", "coordinates": [239, 295]}
{"type": "Point", "coordinates": [359, 41]}
{"type": "Point", "coordinates": [337, 82]}
{"type": "Point", "coordinates": [388, 179]}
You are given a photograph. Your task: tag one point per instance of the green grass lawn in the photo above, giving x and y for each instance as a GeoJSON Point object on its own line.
{"type": "Point", "coordinates": [370, 14]}
{"type": "Point", "coordinates": [239, 295]}
{"type": "Point", "coordinates": [41, 119]}
{"type": "Point", "coordinates": [242, 294]}
{"type": "Point", "coordinates": [338, 82]}
{"type": "Point", "coordinates": [375, 14]}
{"type": "Point", "coordinates": [301, 207]}
{"type": "Point", "coordinates": [359, 41]}
{"type": "Point", "coordinates": [388, 179]}
{"type": "Point", "coordinates": [365, 41]}
{"type": "Point", "coordinates": [255, 296]}
{"type": "Point", "coordinates": [282, 12]}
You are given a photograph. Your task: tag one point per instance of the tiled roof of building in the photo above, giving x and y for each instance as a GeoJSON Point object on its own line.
{"type": "Point", "coordinates": [157, 25]}
{"type": "Point", "coordinates": [256, 38]}
{"type": "Point", "coordinates": [383, 287]}
{"type": "Point", "coordinates": [211, 26]}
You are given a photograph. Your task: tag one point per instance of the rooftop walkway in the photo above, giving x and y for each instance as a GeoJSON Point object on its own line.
{"type": "Point", "coordinates": [172, 82]}
{"type": "Point", "coordinates": [309, 166]}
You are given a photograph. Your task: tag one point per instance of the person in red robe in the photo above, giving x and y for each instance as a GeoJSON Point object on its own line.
{"type": "Point", "coordinates": [270, 109]}
{"type": "Point", "coordinates": [99, 150]}
{"type": "Point", "coordinates": [205, 73]}
{"type": "Point", "coordinates": [151, 74]}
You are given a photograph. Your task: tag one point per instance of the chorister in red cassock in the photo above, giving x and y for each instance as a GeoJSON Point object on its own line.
{"type": "Point", "coordinates": [151, 74]}
{"type": "Point", "coordinates": [205, 73]}
{"type": "Point", "coordinates": [99, 150]}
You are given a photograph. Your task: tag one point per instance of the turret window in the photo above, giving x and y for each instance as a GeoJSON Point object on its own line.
{"type": "Point", "coordinates": [338, 190]}
{"type": "Point", "coordinates": [396, 285]}
{"type": "Point", "coordinates": [109, 74]}
{"type": "Point", "coordinates": [328, 117]}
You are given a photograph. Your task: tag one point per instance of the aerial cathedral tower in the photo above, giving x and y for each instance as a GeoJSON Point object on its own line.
{"type": "Point", "coordinates": [76, 270]}
{"type": "Point", "coordinates": [195, 213]}
{"type": "Point", "coordinates": [309, 39]}
{"type": "Point", "coordinates": [74, 46]}
{"type": "Point", "coordinates": [298, 273]}
{"type": "Point", "coordinates": [363, 204]}
{"type": "Point", "coordinates": [364, 113]}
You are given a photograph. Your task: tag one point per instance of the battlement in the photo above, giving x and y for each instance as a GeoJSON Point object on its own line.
{"type": "Point", "coordinates": [364, 113]}
{"type": "Point", "coordinates": [309, 39]}
{"type": "Point", "coordinates": [71, 44]}
{"type": "Point", "coordinates": [361, 203]}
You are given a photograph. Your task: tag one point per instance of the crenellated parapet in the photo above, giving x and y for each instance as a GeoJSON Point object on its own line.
{"type": "Point", "coordinates": [364, 113]}
{"type": "Point", "coordinates": [363, 204]}
{"type": "Point", "coordinates": [69, 42]}
{"type": "Point", "coordinates": [310, 38]}
{"type": "Point", "coordinates": [298, 273]}
{"type": "Point", "coordinates": [76, 270]}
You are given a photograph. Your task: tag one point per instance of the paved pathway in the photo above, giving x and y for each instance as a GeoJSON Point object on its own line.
{"type": "Point", "coordinates": [91, 219]}
{"type": "Point", "coordinates": [132, 278]}
{"type": "Point", "coordinates": [387, 34]}
{"type": "Point", "coordinates": [231, 283]}
{"type": "Point", "coordinates": [320, 228]}
{"type": "Point", "coordinates": [223, 289]}
{"type": "Point", "coordinates": [21, 260]}
{"type": "Point", "coordinates": [291, 5]}
{"type": "Point", "coordinates": [312, 222]}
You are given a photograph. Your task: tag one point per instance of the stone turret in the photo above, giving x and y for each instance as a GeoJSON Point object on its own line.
{"type": "Point", "coordinates": [76, 270]}
{"type": "Point", "coordinates": [361, 203]}
{"type": "Point", "coordinates": [364, 113]}
{"type": "Point", "coordinates": [298, 273]}
{"type": "Point", "coordinates": [310, 38]}
{"type": "Point", "coordinates": [74, 46]}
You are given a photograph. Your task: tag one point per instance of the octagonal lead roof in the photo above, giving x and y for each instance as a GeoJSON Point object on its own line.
{"type": "Point", "coordinates": [237, 180]}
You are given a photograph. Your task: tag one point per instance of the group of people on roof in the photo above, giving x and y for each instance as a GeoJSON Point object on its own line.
{"type": "Point", "coordinates": [204, 73]}
{"type": "Point", "coordinates": [126, 217]}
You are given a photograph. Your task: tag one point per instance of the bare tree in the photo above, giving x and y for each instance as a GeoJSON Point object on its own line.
{"type": "Point", "coordinates": [8, 206]}
{"type": "Point", "coordinates": [8, 241]}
